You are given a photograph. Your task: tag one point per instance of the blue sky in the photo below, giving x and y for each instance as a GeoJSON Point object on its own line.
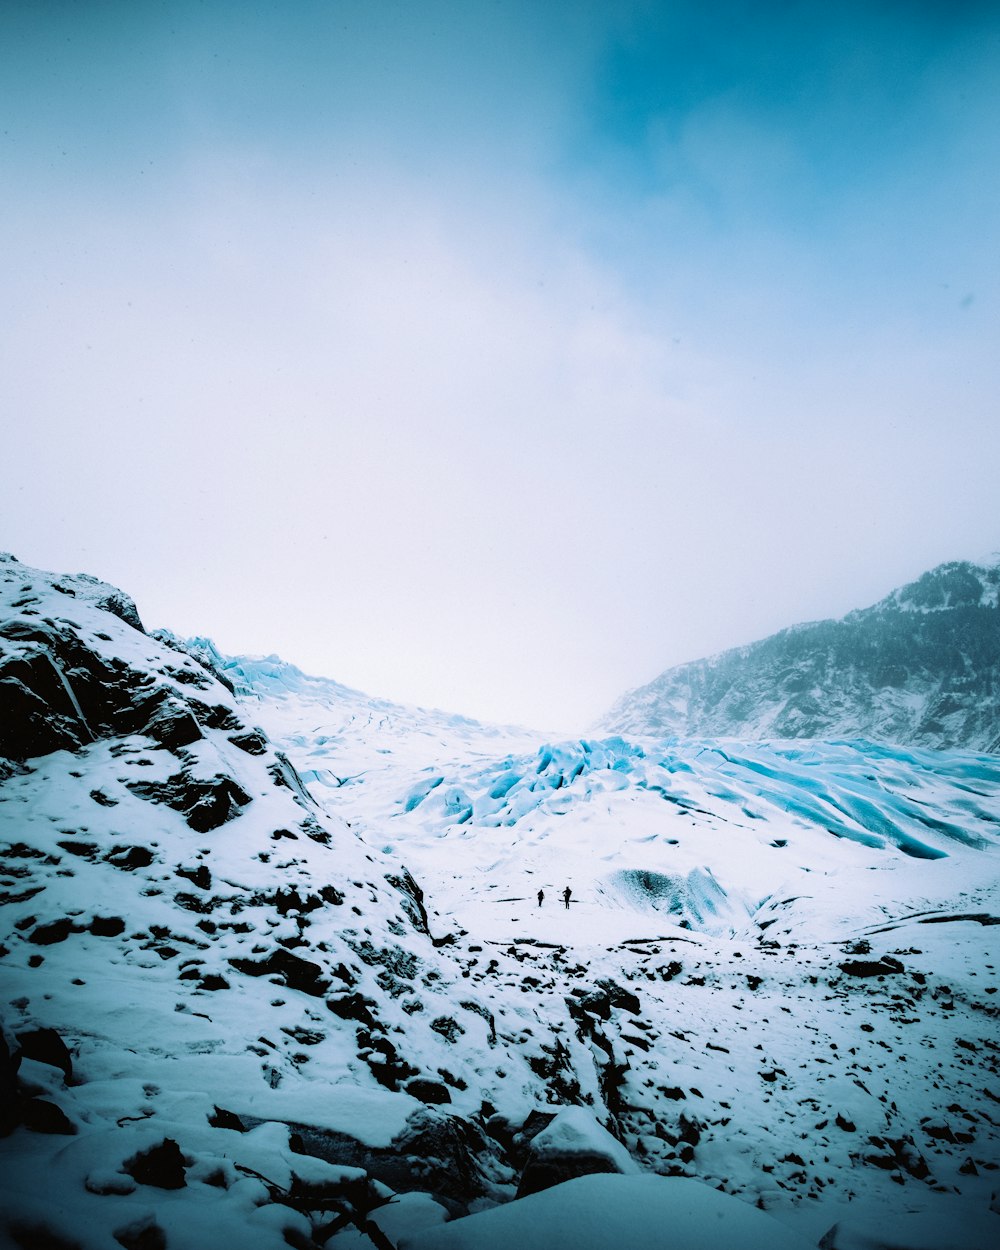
{"type": "Point", "coordinates": [498, 355]}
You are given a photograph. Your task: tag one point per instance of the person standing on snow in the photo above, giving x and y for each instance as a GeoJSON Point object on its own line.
{"type": "Point", "coordinates": [567, 893]}
{"type": "Point", "coordinates": [541, 897]}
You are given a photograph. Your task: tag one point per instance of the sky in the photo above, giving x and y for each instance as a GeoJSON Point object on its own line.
{"type": "Point", "coordinates": [496, 355]}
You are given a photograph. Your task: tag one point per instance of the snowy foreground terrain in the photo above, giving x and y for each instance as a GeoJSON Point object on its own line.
{"type": "Point", "coordinates": [275, 972]}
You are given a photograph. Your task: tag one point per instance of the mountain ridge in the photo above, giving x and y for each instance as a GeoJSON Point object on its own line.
{"type": "Point", "coordinates": [920, 667]}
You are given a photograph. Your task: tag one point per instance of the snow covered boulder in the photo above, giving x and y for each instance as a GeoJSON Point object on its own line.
{"type": "Point", "coordinates": [595, 1212]}
{"type": "Point", "coordinates": [572, 1144]}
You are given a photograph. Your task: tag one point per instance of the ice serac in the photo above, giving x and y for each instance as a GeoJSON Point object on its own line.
{"type": "Point", "coordinates": [919, 668]}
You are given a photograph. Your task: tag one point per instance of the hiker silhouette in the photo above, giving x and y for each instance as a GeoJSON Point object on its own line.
{"type": "Point", "coordinates": [541, 897]}
{"type": "Point", "coordinates": [567, 893]}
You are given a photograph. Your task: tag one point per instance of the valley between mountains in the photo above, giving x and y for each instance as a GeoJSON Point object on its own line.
{"type": "Point", "coordinates": [275, 970]}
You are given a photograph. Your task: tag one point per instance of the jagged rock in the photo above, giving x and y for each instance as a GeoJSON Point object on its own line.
{"type": "Point", "coordinates": [385, 1064]}
{"type": "Point", "coordinates": [436, 1153]}
{"type": "Point", "coordinates": [448, 1028]}
{"type": "Point", "coordinates": [283, 773]}
{"type": "Point", "coordinates": [162, 1166]}
{"type": "Point", "coordinates": [619, 997]}
{"type": "Point", "coordinates": [252, 741]}
{"type": "Point", "coordinates": [200, 876]}
{"type": "Point", "coordinates": [118, 603]}
{"type": "Point", "coordinates": [172, 725]}
{"type": "Point", "coordinates": [205, 804]}
{"type": "Point", "coordinates": [221, 1118]}
{"type": "Point", "coordinates": [296, 973]}
{"type": "Point", "coordinates": [413, 899]}
{"type": "Point", "coordinates": [901, 1154]}
{"type": "Point", "coordinates": [886, 966]}
{"type": "Point", "coordinates": [439, 1153]}
{"type": "Point", "coordinates": [28, 726]}
{"type": "Point", "coordinates": [572, 1144]}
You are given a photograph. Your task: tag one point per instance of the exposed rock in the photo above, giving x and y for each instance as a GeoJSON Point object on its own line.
{"type": "Point", "coordinates": [572, 1144]}
{"type": "Point", "coordinates": [53, 932]}
{"type": "Point", "coordinates": [436, 1153]}
{"type": "Point", "coordinates": [428, 1091]}
{"type": "Point", "coordinates": [295, 972]}
{"type": "Point", "coordinates": [128, 858]}
{"type": "Point", "coordinates": [205, 804]}
{"type": "Point", "coordinates": [352, 1007]}
{"type": "Point", "coordinates": [221, 1118]}
{"type": "Point", "coordinates": [162, 1166]}
{"type": "Point", "coordinates": [172, 725]}
{"type": "Point", "coordinates": [251, 740]}
{"type": "Point", "coordinates": [200, 876]}
{"type": "Point", "coordinates": [884, 967]}
{"type": "Point", "coordinates": [212, 981]}
{"type": "Point", "coordinates": [107, 926]}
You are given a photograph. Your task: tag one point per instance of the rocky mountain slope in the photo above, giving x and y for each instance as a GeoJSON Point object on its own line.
{"type": "Point", "coordinates": [919, 668]}
{"type": "Point", "coordinates": [232, 1016]}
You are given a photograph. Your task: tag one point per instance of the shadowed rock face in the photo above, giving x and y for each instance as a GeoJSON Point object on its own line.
{"type": "Point", "coordinates": [920, 668]}
{"type": "Point", "coordinates": [56, 693]}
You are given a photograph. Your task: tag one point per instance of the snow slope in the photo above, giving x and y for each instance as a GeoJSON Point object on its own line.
{"type": "Point", "coordinates": [921, 667]}
{"type": "Point", "coordinates": [232, 1016]}
{"type": "Point", "coordinates": [727, 885]}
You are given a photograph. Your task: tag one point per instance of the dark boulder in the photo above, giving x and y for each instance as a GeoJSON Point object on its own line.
{"type": "Point", "coordinates": [201, 876]}
{"type": "Point", "coordinates": [46, 1046]}
{"type": "Point", "coordinates": [107, 926]}
{"type": "Point", "coordinates": [162, 1166]}
{"type": "Point", "coordinates": [251, 740]}
{"type": "Point", "coordinates": [53, 932]}
{"type": "Point", "coordinates": [221, 1118]}
{"type": "Point", "coordinates": [434, 1093]}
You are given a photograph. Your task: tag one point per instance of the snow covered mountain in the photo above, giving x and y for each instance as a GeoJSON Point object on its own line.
{"type": "Point", "coordinates": [919, 668]}
{"type": "Point", "coordinates": [275, 970]}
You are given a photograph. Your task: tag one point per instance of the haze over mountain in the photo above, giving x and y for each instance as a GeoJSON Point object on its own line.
{"type": "Point", "coordinates": [286, 965]}
{"type": "Point", "coordinates": [919, 668]}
